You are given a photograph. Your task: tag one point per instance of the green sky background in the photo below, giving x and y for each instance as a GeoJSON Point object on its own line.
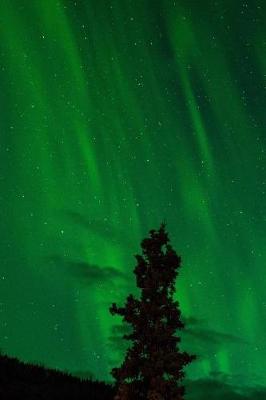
{"type": "Point", "coordinates": [116, 115]}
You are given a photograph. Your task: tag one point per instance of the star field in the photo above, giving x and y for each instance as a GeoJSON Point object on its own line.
{"type": "Point", "coordinates": [116, 115]}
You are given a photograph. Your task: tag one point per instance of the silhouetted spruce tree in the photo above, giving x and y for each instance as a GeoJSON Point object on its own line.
{"type": "Point", "coordinates": [152, 369]}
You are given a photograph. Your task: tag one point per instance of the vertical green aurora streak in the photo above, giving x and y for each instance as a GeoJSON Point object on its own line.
{"type": "Point", "coordinates": [114, 116]}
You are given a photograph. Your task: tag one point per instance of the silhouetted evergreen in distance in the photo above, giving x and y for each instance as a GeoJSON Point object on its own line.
{"type": "Point", "coordinates": [153, 367]}
{"type": "Point", "coordinates": [19, 380]}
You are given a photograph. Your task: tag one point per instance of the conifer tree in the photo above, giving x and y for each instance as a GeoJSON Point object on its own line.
{"type": "Point", "coordinates": [153, 366]}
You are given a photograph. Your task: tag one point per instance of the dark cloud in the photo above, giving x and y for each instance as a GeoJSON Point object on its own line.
{"type": "Point", "coordinates": [85, 273]}
{"type": "Point", "coordinates": [221, 389]}
{"type": "Point", "coordinates": [195, 338]}
{"type": "Point", "coordinates": [203, 341]}
{"type": "Point", "coordinates": [103, 228]}
{"type": "Point", "coordinates": [193, 327]}
{"type": "Point", "coordinates": [204, 337]}
{"type": "Point", "coordinates": [117, 345]}
{"type": "Point", "coordinates": [218, 386]}
{"type": "Point", "coordinates": [116, 341]}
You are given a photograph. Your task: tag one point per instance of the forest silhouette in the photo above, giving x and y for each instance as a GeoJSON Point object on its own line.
{"type": "Point", "coordinates": [147, 372]}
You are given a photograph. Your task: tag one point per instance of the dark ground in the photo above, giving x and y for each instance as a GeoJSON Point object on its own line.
{"type": "Point", "coordinates": [25, 381]}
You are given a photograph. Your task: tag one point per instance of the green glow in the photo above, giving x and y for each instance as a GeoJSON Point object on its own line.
{"type": "Point", "coordinates": [115, 116]}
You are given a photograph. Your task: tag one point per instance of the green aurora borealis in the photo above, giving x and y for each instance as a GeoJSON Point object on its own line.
{"type": "Point", "coordinates": [116, 115]}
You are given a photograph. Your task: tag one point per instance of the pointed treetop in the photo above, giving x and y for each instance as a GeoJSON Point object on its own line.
{"type": "Point", "coordinates": [156, 240]}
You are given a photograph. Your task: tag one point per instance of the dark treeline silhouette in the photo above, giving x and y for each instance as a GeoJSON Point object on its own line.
{"type": "Point", "coordinates": [26, 381]}
{"type": "Point", "coordinates": [19, 380]}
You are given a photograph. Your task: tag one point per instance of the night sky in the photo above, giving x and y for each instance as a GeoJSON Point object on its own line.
{"type": "Point", "coordinates": [116, 115]}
